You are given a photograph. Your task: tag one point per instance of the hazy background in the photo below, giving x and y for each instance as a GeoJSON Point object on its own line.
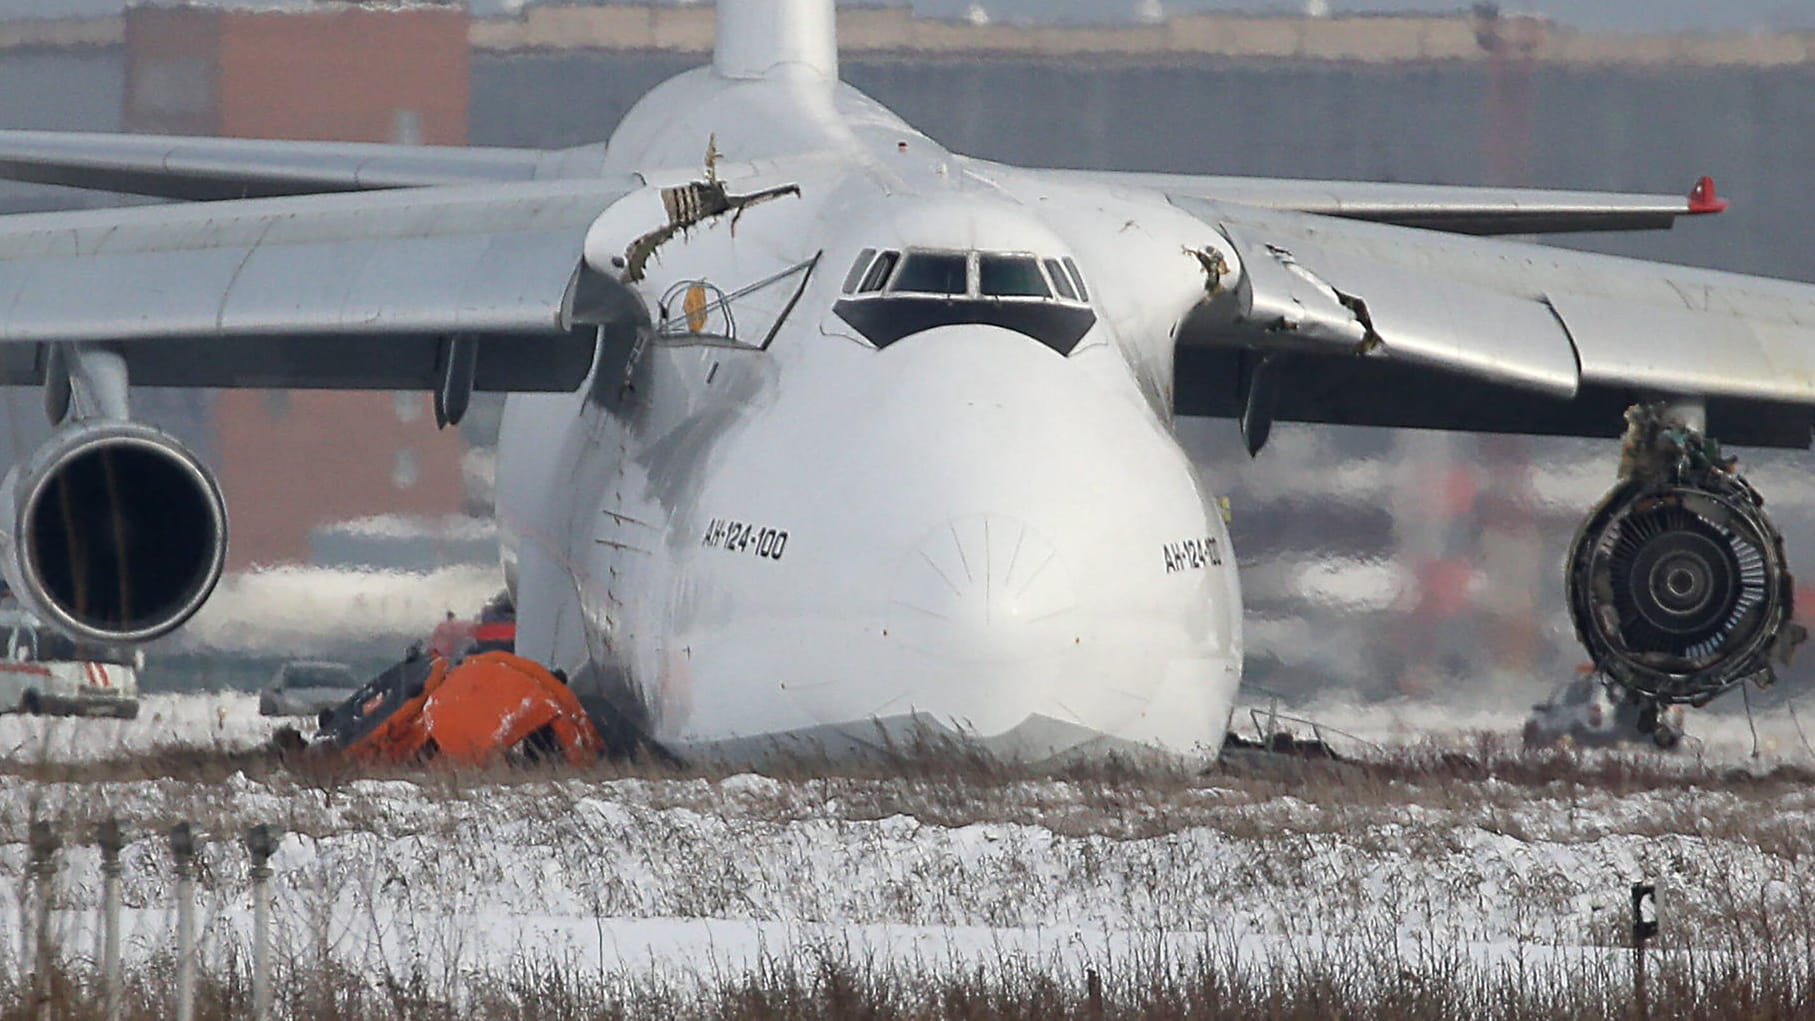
{"type": "Point", "coordinates": [1617, 15]}
{"type": "Point", "coordinates": [1614, 15]}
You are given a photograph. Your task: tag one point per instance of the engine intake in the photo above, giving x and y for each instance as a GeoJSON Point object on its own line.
{"type": "Point", "coordinates": [119, 533]}
{"type": "Point", "coordinates": [1678, 584]}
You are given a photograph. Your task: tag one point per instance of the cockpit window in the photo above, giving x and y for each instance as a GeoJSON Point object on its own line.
{"type": "Point", "coordinates": [904, 294]}
{"type": "Point", "coordinates": [933, 273]}
{"type": "Point", "coordinates": [1011, 276]}
{"type": "Point", "coordinates": [879, 272]}
{"type": "Point", "coordinates": [1077, 278]}
{"type": "Point", "coordinates": [856, 275]}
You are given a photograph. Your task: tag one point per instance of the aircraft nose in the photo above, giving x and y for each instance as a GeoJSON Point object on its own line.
{"type": "Point", "coordinates": [977, 536]}
{"type": "Point", "coordinates": [1023, 487]}
{"type": "Point", "coordinates": [983, 588]}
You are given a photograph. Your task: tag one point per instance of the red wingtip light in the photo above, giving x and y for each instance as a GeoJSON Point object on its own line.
{"type": "Point", "coordinates": [1704, 199]}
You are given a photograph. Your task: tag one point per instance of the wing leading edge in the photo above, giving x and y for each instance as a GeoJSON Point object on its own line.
{"type": "Point", "coordinates": [344, 291]}
{"type": "Point", "coordinates": [1363, 324]}
{"type": "Point", "coordinates": [1477, 211]}
{"type": "Point", "coordinates": [175, 167]}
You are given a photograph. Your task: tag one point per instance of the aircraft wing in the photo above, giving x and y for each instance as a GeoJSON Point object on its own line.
{"type": "Point", "coordinates": [360, 290]}
{"type": "Point", "coordinates": [232, 168]}
{"type": "Point", "coordinates": [1330, 320]}
{"type": "Point", "coordinates": [1478, 211]}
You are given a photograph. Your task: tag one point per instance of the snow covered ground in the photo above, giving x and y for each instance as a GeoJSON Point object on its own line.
{"type": "Point", "coordinates": [210, 722]}
{"type": "Point", "coordinates": [704, 877]}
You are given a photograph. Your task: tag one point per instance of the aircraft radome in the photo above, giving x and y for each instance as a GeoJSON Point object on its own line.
{"type": "Point", "coordinates": [822, 436]}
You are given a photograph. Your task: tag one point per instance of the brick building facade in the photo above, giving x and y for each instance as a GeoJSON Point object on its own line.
{"type": "Point", "coordinates": [292, 460]}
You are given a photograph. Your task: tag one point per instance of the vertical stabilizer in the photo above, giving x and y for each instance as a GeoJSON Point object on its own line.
{"type": "Point", "coordinates": [761, 38]}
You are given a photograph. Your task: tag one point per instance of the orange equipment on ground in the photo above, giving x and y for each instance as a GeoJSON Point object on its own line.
{"type": "Point", "coordinates": [493, 707]}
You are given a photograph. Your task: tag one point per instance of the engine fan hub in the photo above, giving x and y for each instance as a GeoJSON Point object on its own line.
{"type": "Point", "coordinates": [1683, 582]}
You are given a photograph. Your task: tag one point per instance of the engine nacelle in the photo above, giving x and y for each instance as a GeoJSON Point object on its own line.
{"type": "Point", "coordinates": [1678, 584]}
{"type": "Point", "coordinates": [117, 533]}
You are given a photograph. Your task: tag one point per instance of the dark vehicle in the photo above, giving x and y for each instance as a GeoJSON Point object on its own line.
{"type": "Point", "coordinates": [1582, 711]}
{"type": "Point", "coordinates": [497, 628]}
{"type": "Point", "coordinates": [305, 688]}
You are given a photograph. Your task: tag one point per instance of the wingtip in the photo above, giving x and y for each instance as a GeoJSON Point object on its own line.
{"type": "Point", "coordinates": [1705, 200]}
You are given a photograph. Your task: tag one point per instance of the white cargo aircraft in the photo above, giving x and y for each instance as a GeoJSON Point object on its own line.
{"type": "Point", "coordinates": [823, 436]}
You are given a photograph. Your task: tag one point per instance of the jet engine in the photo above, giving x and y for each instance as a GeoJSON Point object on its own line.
{"type": "Point", "coordinates": [1678, 584]}
{"type": "Point", "coordinates": [117, 533]}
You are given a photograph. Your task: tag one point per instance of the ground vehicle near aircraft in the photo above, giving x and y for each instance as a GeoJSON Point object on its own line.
{"type": "Point", "coordinates": [45, 672]}
{"type": "Point", "coordinates": [1584, 711]}
{"type": "Point", "coordinates": [843, 435]}
{"type": "Point", "coordinates": [306, 687]}
{"type": "Point", "coordinates": [492, 707]}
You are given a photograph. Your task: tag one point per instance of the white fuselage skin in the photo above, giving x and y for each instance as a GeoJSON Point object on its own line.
{"type": "Point", "coordinates": [824, 545]}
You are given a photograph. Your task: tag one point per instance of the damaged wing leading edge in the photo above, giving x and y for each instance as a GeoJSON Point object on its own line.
{"type": "Point", "coordinates": [1463, 333]}
{"type": "Point", "coordinates": [1356, 299]}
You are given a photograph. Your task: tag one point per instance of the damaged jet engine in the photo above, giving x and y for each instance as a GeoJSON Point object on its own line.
{"type": "Point", "coordinates": [1678, 584]}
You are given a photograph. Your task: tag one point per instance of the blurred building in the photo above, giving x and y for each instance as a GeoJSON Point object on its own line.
{"type": "Point", "coordinates": [290, 461]}
{"type": "Point", "coordinates": [341, 73]}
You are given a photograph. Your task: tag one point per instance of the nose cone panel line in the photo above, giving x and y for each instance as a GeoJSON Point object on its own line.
{"type": "Point", "coordinates": [984, 588]}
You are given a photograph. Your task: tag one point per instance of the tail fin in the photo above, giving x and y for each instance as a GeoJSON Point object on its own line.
{"type": "Point", "coordinates": [761, 38]}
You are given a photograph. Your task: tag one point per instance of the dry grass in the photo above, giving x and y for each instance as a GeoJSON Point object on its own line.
{"type": "Point", "coordinates": [1440, 986]}
{"type": "Point", "coordinates": [1741, 951]}
{"type": "Point", "coordinates": [1483, 757]}
{"type": "Point", "coordinates": [1491, 782]}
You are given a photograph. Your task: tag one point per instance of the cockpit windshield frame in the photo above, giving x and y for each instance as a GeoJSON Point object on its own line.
{"type": "Point", "coordinates": [882, 271]}
{"type": "Point", "coordinates": [892, 293]}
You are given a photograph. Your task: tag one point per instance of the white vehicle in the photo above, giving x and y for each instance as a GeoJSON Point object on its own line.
{"type": "Point", "coordinates": [44, 672]}
{"type": "Point", "coordinates": [822, 435]}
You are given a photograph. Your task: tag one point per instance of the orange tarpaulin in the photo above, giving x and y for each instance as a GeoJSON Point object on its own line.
{"type": "Point", "coordinates": [492, 706]}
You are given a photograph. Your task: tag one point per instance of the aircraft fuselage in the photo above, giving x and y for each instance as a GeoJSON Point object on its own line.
{"type": "Point", "coordinates": [805, 506]}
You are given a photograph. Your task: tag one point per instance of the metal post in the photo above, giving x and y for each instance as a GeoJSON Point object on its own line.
{"type": "Point", "coordinates": [44, 843]}
{"type": "Point", "coordinates": [182, 848]}
{"type": "Point", "coordinates": [261, 843]}
{"type": "Point", "coordinates": [1644, 926]}
{"type": "Point", "coordinates": [110, 838]}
